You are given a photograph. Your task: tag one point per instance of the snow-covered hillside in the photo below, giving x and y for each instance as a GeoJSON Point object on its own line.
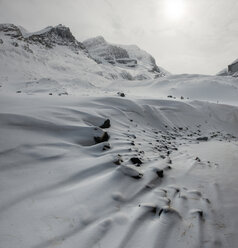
{"type": "Point", "coordinates": [87, 160]}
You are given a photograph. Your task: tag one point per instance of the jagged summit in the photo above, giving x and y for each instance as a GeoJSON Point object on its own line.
{"type": "Point", "coordinates": [59, 35]}
{"type": "Point", "coordinates": [49, 36]}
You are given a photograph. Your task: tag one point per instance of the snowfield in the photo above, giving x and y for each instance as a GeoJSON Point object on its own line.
{"type": "Point", "coordinates": [84, 165]}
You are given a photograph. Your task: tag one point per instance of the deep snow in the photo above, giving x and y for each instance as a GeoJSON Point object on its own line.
{"type": "Point", "coordinates": [59, 188]}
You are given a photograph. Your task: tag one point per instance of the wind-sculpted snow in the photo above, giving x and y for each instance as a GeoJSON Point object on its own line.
{"type": "Point", "coordinates": [150, 184]}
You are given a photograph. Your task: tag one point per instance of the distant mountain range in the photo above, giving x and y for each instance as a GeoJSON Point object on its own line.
{"type": "Point", "coordinates": [55, 53]}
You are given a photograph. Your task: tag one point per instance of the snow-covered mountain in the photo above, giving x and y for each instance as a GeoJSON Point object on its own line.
{"type": "Point", "coordinates": [125, 56]}
{"type": "Point", "coordinates": [54, 53]}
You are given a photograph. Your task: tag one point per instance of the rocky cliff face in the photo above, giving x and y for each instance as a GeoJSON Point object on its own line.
{"type": "Point", "coordinates": [59, 35]}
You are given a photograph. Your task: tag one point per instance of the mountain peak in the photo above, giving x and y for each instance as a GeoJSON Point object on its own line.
{"type": "Point", "coordinates": [127, 56]}
{"type": "Point", "coordinates": [58, 35]}
{"type": "Point", "coordinates": [11, 30]}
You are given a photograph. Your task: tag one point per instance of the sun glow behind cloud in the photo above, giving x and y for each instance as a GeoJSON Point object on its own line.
{"type": "Point", "coordinates": [175, 9]}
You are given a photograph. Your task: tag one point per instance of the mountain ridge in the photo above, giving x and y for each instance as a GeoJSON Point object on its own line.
{"type": "Point", "coordinates": [131, 63]}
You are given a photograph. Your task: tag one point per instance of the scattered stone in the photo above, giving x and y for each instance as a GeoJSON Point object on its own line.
{"type": "Point", "coordinates": [121, 94]}
{"type": "Point", "coordinates": [202, 139]}
{"type": "Point", "coordinates": [15, 44]}
{"type": "Point", "coordinates": [159, 172]}
{"type": "Point", "coordinates": [103, 138]}
{"type": "Point", "coordinates": [106, 147]}
{"type": "Point", "coordinates": [26, 48]}
{"type": "Point", "coordinates": [63, 93]}
{"type": "Point", "coordinates": [198, 159]}
{"type": "Point", "coordinates": [136, 161]}
{"type": "Point", "coordinates": [168, 167]}
{"type": "Point", "coordinates": [106, 124]}
{"type": "Point", "coordinates": [118, 161]}
{"type": "Point", "coordinates": [150, 207]}
{"type": "Point", "coordinates": [169, 96]}
{"type": "Point", "coordinates": [169, 161]}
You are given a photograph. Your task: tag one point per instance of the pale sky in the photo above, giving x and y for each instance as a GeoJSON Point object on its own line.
{"type": "Point", "coordinates": [184, 36]}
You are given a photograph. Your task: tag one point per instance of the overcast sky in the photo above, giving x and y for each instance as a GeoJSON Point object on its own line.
{"type": "Point", "coordinates": [203, 38]}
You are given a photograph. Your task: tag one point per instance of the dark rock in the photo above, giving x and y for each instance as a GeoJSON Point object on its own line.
{"type": "Point", "coordinates": [198, 159]}
{"type": "Point", "coordinates": [202, 138]}
{"type": "Point", "coordinates": [103, 138]}
{"type": "Point", "coordinates": [19, 91]}
{"type": "Point", "coordinates": [169, 161]}
{"type": "Point", "coordinates": [168, 167]}
{"type": "Point", "coordinates": [170, 96]}
{"type": "Point", "coordinates": [106, 147]}
{"type": "Point", "coordinates": [50, 94]}
{"type": "Point", "coordinates": [160, 173]}
{"type": "Point", "coordinates": [137, 177]}
{"type": "Point", "coordinates": [136, 161]}
{"type": "Point", "coordinates": [15, 44]}
{"type": "Point", "coordinates": [121, 94]}
{"type": "Point", "coordinates": [106, 124]}
{"type": "Point", "coordinates": [118, 161]}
